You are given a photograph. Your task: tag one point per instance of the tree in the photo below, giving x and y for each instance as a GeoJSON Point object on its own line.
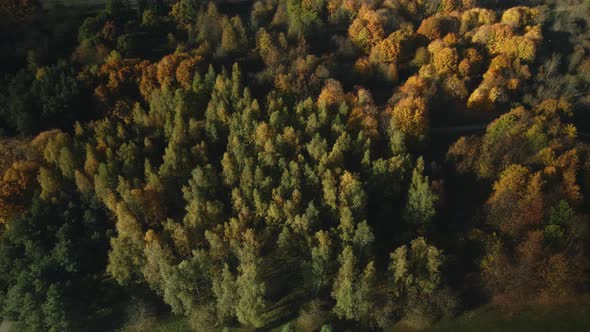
{"type": "Point", "coordinates": [367, 28]}
{"type": "Point", "coordinates": [517, 201]}
{"type": "Point", "coordinates": [410, 116]}
{"type": "Point", "coordinates": [53, 257]}
{"type": "Point", "coordinates": [52, 97]}
{"type": "Point", "coordinates": [343, 290]}
{"type": "Point", "coordinates": [395, 49]}
{"type": "Point", "coordinates": [203, 208]}
{"type": "Point", "coordinates": [267, 48]}
{"type": "Point", "coordinates": [225, 290]}
{"type": "Point", "coordinates": [186, 71]}
{"type": "Point", "coordinates": [49, 183]}
{"type": "Point", "coordinates": [304, 17]}
{"type": "Point", "coordinates": [16, 189]}
{"type": "Point", "coordinates": [321, 262]}
{"type": "Point", "coordinates": [436, 27]}
{"type": "Point", "coordinates": [520, 17]}
{"type": "Point", "coordinates": [415, 274]}
{"type": "Point", "coordinates": [476, 17]}
{"type": "Point", "coordinates": [186, 287]}
{"type": "Point", "coordinates": [251, 287]}
{"type": "Point", "coordinates": [126, 257]}
{"type": "Point", "coordinates": [185, 11]}
{"type": "Point", "coordinates": [353, 290]}
{"type": "Point", "coordinates": [231, 42]}
{"type": "Point", "coordinates": [421, 203]}
{"type": "Point", "coordinates": [445, 59]}
{"type": "Point", "coordinates": [331, 95]}
{"type": "Point", "coordinates": [557, 221]}
{"type": "Point", "coordinates": [352, 194]}
{"type": "Point", "coordinates": [409, 109]}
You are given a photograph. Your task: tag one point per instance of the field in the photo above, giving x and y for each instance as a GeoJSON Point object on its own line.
{"type": "Point", "coordinates": [538, 318]}
{"type": "Point", "coordinates": [486, 318]}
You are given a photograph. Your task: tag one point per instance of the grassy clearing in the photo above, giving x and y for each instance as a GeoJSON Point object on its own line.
{"type": "Point", "coordinates": [574, 317]}
{"type": "Point", "coordinates": [165, 324]}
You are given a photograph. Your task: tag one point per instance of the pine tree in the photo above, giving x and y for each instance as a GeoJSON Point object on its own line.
{"type": "Point", "coordinates": [420, 207]}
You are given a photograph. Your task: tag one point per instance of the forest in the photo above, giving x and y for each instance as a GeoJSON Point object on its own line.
{"type": "Point", "coordinates": [287, 165]}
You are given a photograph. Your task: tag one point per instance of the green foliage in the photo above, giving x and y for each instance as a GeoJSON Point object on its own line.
{"type": "Point", "coordinates": [186, 11]}
{"type": "Point", "coordinates": [53, 257]}
{"type": "Point", "coordinates": [224, 287]}
{"type": "Point", "coordinates": [353, 290]}
{"type": "Point", "coordinates": [250, 285]}
{"type": "Point", "coordinates": [304, 17]}
{"type": "Point", "coordinates": [244, 198]}
{"type": "Point", "coordinates": [415, 274]}
{"type": "Point", "coordinates": [288, 328]}
{"type": "Point", "coordinates": [420, 207]}
{"type": "Point", "coordinates": [50, 98]}
{"type": "Point", "coordinates": [326, 328]}
{"type": "Point", "coordinates": [559, 219]}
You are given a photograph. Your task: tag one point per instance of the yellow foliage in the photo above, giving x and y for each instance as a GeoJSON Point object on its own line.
{"type": "Point", "coordinates": [16, 188]}
{"type": "Point", "coordinates": [332, 94]}
{"type": "Point", "coordinates": [166, 68]}
{"type": "Point", "coordinates": [456, 87]}
{"type": "Point", "coordinates": [520, 17]}
{"type": "Point", "coordinates": [501, 39]}
{"type": "Point", "coordinates": [472, 62]}
{"type": "Point", "coordinates": [468, 4]}
{"type": "Point", "coordinates": [415, 85]}
{"type": "Point", "coordinates": [476, 17]}
{"type": "Point", "coordinates": [513, 84]}
{"type": "Point", "coordinates": [479, 99]}
{"type": "Point", "coordinates": [186, 70]}
{"type": "Point", "coordinates": [436, 27]}
{"type": "Point", "coordinates": [387, 50]}
{"type": "Point", "coordinates": [451, 39]}
{"type": "Point", "coordinates": [584, 67]}
{"type": "Point", "coordinates": [411, 116]}
{"type": "Point", "coordinates": [569, 163]}
{"type": "Point", "coordinates": [427, 71]}
{"type": "Point", "coordinates": [266, 47]}
{"type": "Point", "coordinates": [551, 107]}
{"type": "Point", "coordinates": [497, 95]}
{"type": "Point", "coordinates": [517, 201]}
{"type": "Point", "coordinates": [535, 34]}
{"type": "Point", "coordinates": [493, 37]}
{"type": "Point", "coordinates": [363, 114]}
{"type": "Point", "coordinates": [450, 5]}
{"type": "Point", "coordinates": [520, 47]}
{"type": "Point", "coordinates": [367, 28]}
{"type": "Point", "coordinates": [363, 65]}
{"type": "Point", "coordinates": [445, 60]}
{"type": "Point", "coordinates": [436, 46]}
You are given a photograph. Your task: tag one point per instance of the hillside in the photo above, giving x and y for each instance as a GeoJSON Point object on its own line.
{"type": "Point", "coordinates": [287, 165]}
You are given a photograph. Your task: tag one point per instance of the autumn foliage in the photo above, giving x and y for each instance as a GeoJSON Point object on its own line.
{"type": "Point", "coordinates": [302, 165]}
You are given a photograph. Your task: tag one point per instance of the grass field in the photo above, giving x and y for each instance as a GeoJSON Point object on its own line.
{"type": "Point", "coordinates": [165, 324]}
{"type": "Point", "coordinates": [575, 317]}
{"type": "Point", "coordinates": [565, 318]}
